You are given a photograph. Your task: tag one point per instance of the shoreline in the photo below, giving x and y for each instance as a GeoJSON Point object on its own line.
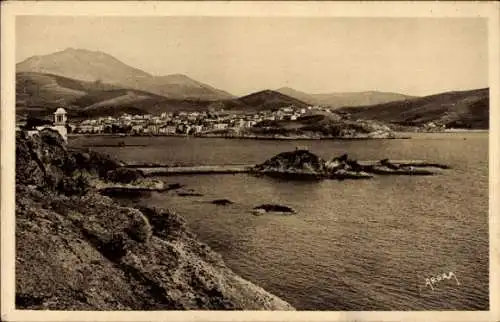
{"type": "Point", "coordinates": [142, 258]}
{"type": "Point", "coordinates": [246, 137]}
{"type": "Point", "coordinates": [398, 136]}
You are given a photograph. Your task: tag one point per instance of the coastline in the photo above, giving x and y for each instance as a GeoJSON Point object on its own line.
{"type": "Point", "coordinates": [397, 136]}
{"type": "Point", "coordinates": [132, 257]}
{"type": "Point", "coordinates": [249, 137]}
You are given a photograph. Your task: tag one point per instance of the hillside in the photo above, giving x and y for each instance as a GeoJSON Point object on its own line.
{"type": "Point", "coordinates": [326, 125]}
{"type": "Point", "coordinates": [96, 66]}
{"type": "Point", "coordinates": [40, 94]}
{"type": "Point", "coordinates": [79, 250]}
{"type": "Point", "coordinates": [461, 109]}
{"type": "Point", "coordinates": [269, 100]}
{"type": "Point", "coordinates": [179, 86]}
{"type": "Point", "coordinates": [337, 100]}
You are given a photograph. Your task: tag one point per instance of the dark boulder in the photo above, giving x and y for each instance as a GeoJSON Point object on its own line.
{"type": "Point", "coordinates": [222, 202]}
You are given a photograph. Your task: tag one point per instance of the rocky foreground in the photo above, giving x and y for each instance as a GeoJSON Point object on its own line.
{"type": "Point", "coordinates": [302, 164]}
{"type": "Point", "coordinates": [79, 250]}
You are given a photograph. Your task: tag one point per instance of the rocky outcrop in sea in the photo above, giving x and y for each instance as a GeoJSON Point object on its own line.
{"type": "Point", "coordinates": [79, 250]}
{"type": "Point", "coordinates": [298, 164]}
{"type": "Point", "coordinates": [302, 164]}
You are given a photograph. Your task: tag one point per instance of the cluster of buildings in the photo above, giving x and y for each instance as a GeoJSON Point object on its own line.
{"type": "Point", "coordinates": [185, 123]}
{"type": "Point", "coordinates": [432, 127]}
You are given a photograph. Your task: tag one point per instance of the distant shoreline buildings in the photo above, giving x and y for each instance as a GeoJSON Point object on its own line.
{"type": "Point", "coordinates": [206, 123]}
{"type": "Point", "coordinates": [187, 123]}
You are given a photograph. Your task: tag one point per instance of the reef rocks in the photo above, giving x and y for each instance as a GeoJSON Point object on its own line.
{"type": "Point", "coordinates": [302, 164]}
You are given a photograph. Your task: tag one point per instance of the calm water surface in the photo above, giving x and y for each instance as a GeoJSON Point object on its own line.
{"type": "Point", "coordinates": [353, 245]}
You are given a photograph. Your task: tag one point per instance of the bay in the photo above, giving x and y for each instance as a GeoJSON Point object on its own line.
{"type": "Point", "coordinates": [353, 245]}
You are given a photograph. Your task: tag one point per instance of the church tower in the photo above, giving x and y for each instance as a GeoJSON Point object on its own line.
{"type": "Point", "coordinates": [60, 123]}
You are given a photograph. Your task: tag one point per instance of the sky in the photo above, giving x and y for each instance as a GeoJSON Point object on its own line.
{"type": "Point", "coordinates": [414, 56]}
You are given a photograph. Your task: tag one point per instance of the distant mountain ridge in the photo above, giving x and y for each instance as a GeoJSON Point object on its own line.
{"type": "Point", "coordinates": [40, 94]}
{"type": "Point", "coordinates": [110, 87]}
{"type": "Point", "coordinates": [337, 100]}
{"type": "Point", "coordinates": [96, 66]}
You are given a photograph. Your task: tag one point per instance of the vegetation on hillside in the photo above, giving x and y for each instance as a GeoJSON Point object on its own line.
{"type": "Point", "coordinates": [465, 109]}
{"type": "Point", "coordinates": [323, 124]}
{"type": "Point", "coordinates": [336, 100]}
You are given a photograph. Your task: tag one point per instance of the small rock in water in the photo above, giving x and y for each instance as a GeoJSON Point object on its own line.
{"type": "Point", "coordinates": [222, 202]}
{"type": "Point", "coordinates": [258, 212]}
{"type": "Point", "coordinates": [189, 193]}
{"type": "Point", "coordinates": [274, 208]}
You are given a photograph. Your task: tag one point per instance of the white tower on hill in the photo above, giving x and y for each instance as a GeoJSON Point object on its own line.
{"type": "Point", "coordinates": [60, 122]}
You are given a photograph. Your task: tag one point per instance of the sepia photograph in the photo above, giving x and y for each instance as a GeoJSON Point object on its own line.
{"type": "Point", "coordinates": [179, 162]}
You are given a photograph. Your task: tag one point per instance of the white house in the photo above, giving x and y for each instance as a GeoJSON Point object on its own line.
{"type": "Point", "coordinates": [220, 126]}
{"type": "Point", "coordinates": [167, 129]}
{"type": "Point", "coordinates": [59, 124]}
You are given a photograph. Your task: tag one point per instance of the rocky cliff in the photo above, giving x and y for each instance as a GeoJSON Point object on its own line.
{"type": "Point", "coordinates": [79, 250]}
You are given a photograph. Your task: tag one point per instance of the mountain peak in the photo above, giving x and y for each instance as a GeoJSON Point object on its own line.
{"type": "Point", "coordinates": [81, 64]}
{"type": "Point", "coordinates": [89, 54]}
{"type": "Point", "coordinates": [72, 50]}
{"type": "Point", "coordinates": [93, 65]}
{"type": "Point", "coordinates": [266, 92]}
{"type": "Point", "coordinates": [285, 88]}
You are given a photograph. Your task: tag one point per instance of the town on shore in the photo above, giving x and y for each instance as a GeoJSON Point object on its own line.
{"type": "Point", "coordinates": [187, 123]}
{"type": "Point", "coordinates": [205, 123]}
